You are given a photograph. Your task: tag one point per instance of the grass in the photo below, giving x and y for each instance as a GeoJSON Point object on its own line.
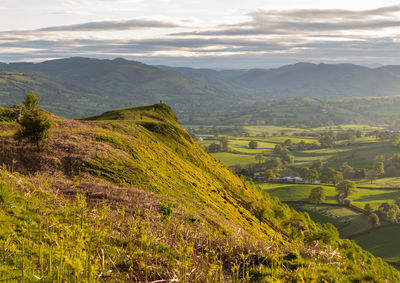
{"type": "Point", "coordinates": [132, 171]}
{"type": "Point", "coordinates": [374, 197]}
{"type": "Point", "coordinates": [259, 130]}
{"type": "Point", "coordinates": [229, 159]}
{"type": "Point", "coordinates": [390, 182]}
{"type": "Point", "coordinates": [382, 242]}
{"type": "Point", "coordinates": [297, 192]}
{"type": "Point", "coordinates": [348, 221]}
{"type": "Point", "coordinates": [300, 192]}
{"type": "Point", "coordinates": [360, 155]}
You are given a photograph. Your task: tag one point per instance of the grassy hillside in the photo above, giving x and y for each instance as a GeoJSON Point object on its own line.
{"type": "Point", "coordinates": [62, 98]}
{"type": "Point", "coordinates": [152, 205]}
{"type": "Point", "coordinates": [380, 242]}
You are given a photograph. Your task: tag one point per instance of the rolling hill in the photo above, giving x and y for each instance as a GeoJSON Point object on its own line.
{"type": "Point", "coordinates": [78, 87]}
{"type": "Point", "coordinates": [122, 83]}
{"type": "Point", "coordinates": [304, 80]}
{"type": "Point", "coordinates": [129, 195]}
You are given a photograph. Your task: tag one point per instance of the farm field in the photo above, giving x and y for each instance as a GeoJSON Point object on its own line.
{"type": "Point", "coordinates": [300, 192]}
{"type": "Point", "coordinates": [391, 182]}
{"type": "Point", "coordinates": [382, 242]}
{"type": "Point", "coordinates": [230, 159]}
{"type": "Point", "coordinates": [296, 192]}
{"type": "Point", "coordinates": [346, 220]}
{"type": "Point", "coordinates": [358, 155]}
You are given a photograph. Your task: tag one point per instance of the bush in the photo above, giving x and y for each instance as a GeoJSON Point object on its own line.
{"type": "Point", "coordinates": [347, 202]}
{"type": "Point", "coordinates": [165, 209]}
{"type": "Point", "coordinates": [35, 125]}
{"type": "Point", "coordinates": [373, 219]}
{"type": "Point", "coordinates": [253, 145]}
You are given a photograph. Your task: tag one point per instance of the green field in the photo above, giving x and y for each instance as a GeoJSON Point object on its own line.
{"type": "Point", "coordinates": [347, 221]}
{"type": "Point", "coordinates": [392, 182]}
{"type": "Point", "coordinates": [229, 159]}
{"type": "Point", "coordinates": [382, 242]}
{"type": "Point", "coordinates": [296, 192]}
{"type": "Point", "coordinates": [375, 197]}
{"type": "Point", "coordinates": [359, 155]}
{"type": "Point", "coordinates": [300, 192]}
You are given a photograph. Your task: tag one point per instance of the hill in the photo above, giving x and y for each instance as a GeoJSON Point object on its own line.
{"type": "Point", "coordinates": [129, 195]}
{"type": "Point", "coordinates": [121, 83]}
{"type": "Point", "coordinates": [204, 95]}
{"type": "Point", "coordinates": [305, 80]}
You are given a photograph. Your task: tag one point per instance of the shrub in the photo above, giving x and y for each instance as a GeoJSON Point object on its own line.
{"type": "Point", "coordinates": [165, 209]}
{"type": "Point", "coordinates": [347, 202]}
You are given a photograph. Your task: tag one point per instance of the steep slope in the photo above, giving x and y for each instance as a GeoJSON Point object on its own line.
{"type": "Point", "coordinates": [159, 208]}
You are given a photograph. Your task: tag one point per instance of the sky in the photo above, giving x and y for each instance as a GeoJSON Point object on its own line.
{"type": "Point", "coordinates": [203, 33]}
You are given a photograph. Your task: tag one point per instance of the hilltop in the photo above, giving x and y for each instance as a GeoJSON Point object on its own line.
{"type": "Point", "coordinates": [152, 204]}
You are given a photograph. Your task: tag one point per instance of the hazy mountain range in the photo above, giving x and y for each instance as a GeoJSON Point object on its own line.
{"type": "Point", "coordinates": [93, 85]}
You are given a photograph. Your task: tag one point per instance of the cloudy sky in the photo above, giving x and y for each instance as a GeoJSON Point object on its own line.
{"type": "Point", "coordinates": [203, 33]}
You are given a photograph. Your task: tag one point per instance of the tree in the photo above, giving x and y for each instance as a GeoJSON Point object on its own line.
{"type": "Point", "coordinates": [301, 145]}
{"type": "Point", "coordinates": [330, 175]}
{"type": "Point", "coordinates": [269, 174]}
{"type": "Point", "coordinates": [373, 219]}
{"type": "Point", "coordinates": [379, 168]}
{"type": "Point", "coordinates": [288, 142]}
{"type": "Point", "coordinates": [31, 101]}
{"type": "Point", "coordinates": [214, 147]}
{"type": "Point", "coordinates": [317, 195]}
{"type": "Point", "coordinates": [259, 157]}
{"type": "Point", "coordinates": [371, 175]}
{"type": "Point", "coordinates": [347, 202]}
{"type": "Point", "coordinates": [368, 208]}
{"type": "Point", "coordinates": [312, 175]}
{"type": "Point", "coordinates": [224, 144]}
{"type": "Point", "coordinates": [347, 170]}
{"type": "Point", "coordinates": [35, 125]}
{"type": "Point", "coordinates": [316, 164]}
{"type": "Point", "coordinates": [327, 139]}
{"type": "Point", "coordinates": [278, 149]}
{"type": "Point", "coordinates": [253, 144]}
{"type": "Point", "coordinates": [345, 188]}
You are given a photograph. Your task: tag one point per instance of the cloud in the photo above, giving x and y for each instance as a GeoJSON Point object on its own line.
{"type": "Point", "coordinates": [113, 25]}
{"type": "Point", "coordinates": [268, 22]}
{"type": "Point", "coordinates": [264, 38]}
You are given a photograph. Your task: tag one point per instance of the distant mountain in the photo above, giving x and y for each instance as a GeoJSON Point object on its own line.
{"type": "Point", "coordinates": [69, 99]}
{"type": "Point", "coordinates": [122, 83]}
{"type": "Point", "coordinates": [304, 80]}
{"type": "Point", "coordinates": [77, 87]}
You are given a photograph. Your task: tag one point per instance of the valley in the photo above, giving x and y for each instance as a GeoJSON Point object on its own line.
{"type": "Point", "coordinates": [354, 154]}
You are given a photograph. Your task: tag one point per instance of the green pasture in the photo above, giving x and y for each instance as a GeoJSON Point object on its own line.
{"type": "Point", "coordinates": [382, 242]}
{"type": "Point", "coordinates": [229, 159]}
{"type": "Point", "coordinates": [391, 182]}
{"type": "Point", "coordinates": [297, 192]}
{"type": "Point", "coordinates": [346, 220]}
{"type": "Point", "coordinates": [375, 197]}
{"type": "Point", "coordinates": [360, 155]}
